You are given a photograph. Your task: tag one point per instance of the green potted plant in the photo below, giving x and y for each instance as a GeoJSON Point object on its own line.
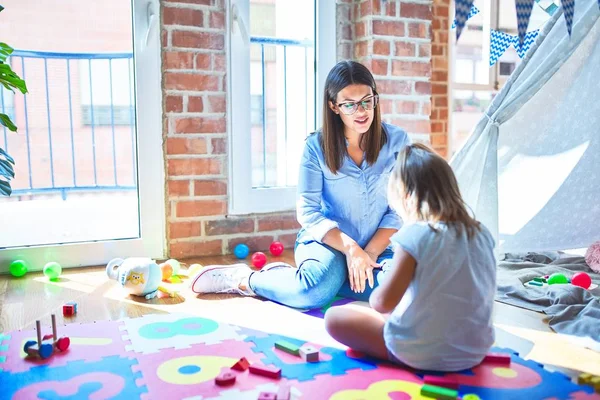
{"type": "Point", "coordinates": [11, 81]}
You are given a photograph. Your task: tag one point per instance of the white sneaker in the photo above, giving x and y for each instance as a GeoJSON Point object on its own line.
{"type": "Point", "coordinates": [221, 279]}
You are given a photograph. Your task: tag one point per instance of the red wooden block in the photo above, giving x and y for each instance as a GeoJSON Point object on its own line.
{"type": "Point", "coordinates": [68, 310]}
{"type": "Point", "coordinates": [284, 392]}
{"type": "Point", "coordinates": [440, 381]}
{"type": "Point", "coordinates": [354, 353]}
{"type": "Point", "coordinates": [265, 370]}
{"type": "Point", "coordinates": [241, 365]}
{"type": "Point", "coordinates": [267, 396]}
{"type": "Point", "coordinates": [497, 358]}
{"type": "Point", "coordinates": [225, 379]}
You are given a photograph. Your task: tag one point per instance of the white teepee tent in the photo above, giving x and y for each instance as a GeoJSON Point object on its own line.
{"type": "Point", "coordinates": [531, 168]}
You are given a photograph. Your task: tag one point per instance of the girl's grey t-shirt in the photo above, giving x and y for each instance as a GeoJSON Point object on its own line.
{"type": "Point", "coordinates": [444, 320]}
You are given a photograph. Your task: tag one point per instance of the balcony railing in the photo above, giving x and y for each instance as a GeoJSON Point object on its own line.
{"type": "Point", "coordinates": [76, 124]}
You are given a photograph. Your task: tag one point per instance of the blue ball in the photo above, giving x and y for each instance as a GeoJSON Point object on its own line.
{"type": "Point", "coordinates": [241, 251]}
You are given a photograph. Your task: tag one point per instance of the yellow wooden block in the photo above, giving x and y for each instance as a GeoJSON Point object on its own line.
{"type": "Point", "coordinates": [582, 379]}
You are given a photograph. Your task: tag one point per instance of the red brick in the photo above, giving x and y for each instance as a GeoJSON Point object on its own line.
{"type": "Point", "coordinates": [200, 208]}
{"type": "Point", "coordinates": [255, 243]}
{"type": "Point", "coordinates": [436, 24]}
{"type": "Point", "coordinates": [229, 226]}
{"type": "Point", "coordinates": [198, 2]}
{"type": "Point", "coordinates": [393, 87]}
{"type": "Point", "coordinates": [443, 152]}
{"type": "Point", "coordinates": [194, 82]}
{"type": "Point", "coordinates": [381, 47]}
{"type": "Point", "coordinates": [405, 49]}
{"type": "Point", "coordinates": [288, 240]}
{"type": "Point", "coordinates": [182, 16]}
{"type": "Point", "coordinates": [346, 32]}
{"type": "Point", "coordinates": [386, 106]}
{"type": "Point", "coordinates": [360, 29]}
{"type": "Point", "coordinates": [439, 88]}
{"type": "Point", "coordinates": [438, 49]}
{"type": "Point", "coordinates": [186, 229]}
{"type": "Point", "coordinates": [423, 88]}
{"type": "Point", "coordinates": [440, 63]}
{"type": "Point", "coordinates": [217, 103]}
{"type": "Point", "coordinates": [203, 62]}
{"type": "Point", "coordinates": [426, 108]}
{"type": "Point", "coordinates": [406, 107]}
{"type": "Point", "coordinates": [442, 113]}
{"type": "Point", "coordinates": [193, 166]}
{"type": "Point", "coordinates": [425, 50]}
{"type": "Point", "coordinates": [278, 223]}
{"type": "Point", "coordinates": [178, 188]}
{"type": "Point", "coordinates": [209, 188]}
{"type": "Point", "coordinates": [200, 125]}
{"type": "Point", "coordinates": [343, 14]}
{"type": "Point", "coordinates": [173, 103]}
{"type": "Point", "coordinates": [418, 30]}
{"type": "Point", "coordinates": [183, 250]}
{"type": "Point", "coordinates": [441, 37]}
{"type": "Point", "coordinates": [439, 76]}
{"type": "Point", "coordinates": [220, 63]}
{"type": "Point", "coordinates": [441, 11]}
{"type": "Point", "coordinates": [164, 39]}
{"type": "Point", "coordinates": [195, 104]}
{"type": "Point", "coordinates": [438, 140]}
{"type": "Point", "coordinates": [391, 9]}
{"type": "Point", "coordinates": [379, 67]}
{"type": "Point", "coordinates": [361, 49]}
{"type": "Point", "coordinates": [217, 20]}
{"type": "Point", "coordinates": [365, 8]}
{"type": "Point", "coordinates": [414, 126]}
{"type": "Point", "coordinates": [178, 145]}
{"type": "Point", "coordinates": [441, 101]}
{"type": "Point", "coordinates": [178, 60]}
{"type": "Point", "coordinates": [388, 28]}
{"type": "Point", "coordinates": [198, 40]}
{"type": "Point", "coordinates": [415, 11]}
{"type": "Point", "coordinates": [411, 68]}
{"type": "Point", "coordinates": [219, 146]}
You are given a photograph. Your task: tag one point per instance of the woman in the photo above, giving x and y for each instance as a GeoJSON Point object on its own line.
{"type": "Point", "coordinates": [342, 207]}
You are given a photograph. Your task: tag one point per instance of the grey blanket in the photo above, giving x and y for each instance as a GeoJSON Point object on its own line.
{"type": "Point", "coordinates": [571, 309]}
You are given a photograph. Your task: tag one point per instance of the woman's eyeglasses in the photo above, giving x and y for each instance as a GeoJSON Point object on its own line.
{"type": "Point", "coordinates": [368, 103]}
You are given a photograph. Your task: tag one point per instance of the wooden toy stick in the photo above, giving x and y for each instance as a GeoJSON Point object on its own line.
{"type": "Point", "coordinates": [54, 335]}
{"type": "Point", "coordinates": [38, 328]}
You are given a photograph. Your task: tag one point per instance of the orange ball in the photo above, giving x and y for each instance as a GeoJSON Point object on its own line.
{"type": "Point", "coordinates": [167, 271]}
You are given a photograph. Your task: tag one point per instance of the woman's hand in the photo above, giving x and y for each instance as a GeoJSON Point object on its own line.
{"type": "Point", "coordinates": [360, 268]}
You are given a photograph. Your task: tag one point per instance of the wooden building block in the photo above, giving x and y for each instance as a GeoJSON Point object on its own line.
{"type": "Point", "coordinates": [438, 393]}
{"type": "Point", "coordinates": [284, 392]}
{"type": "Point", "coordinates": [309, 353]}
{"type": "Point", "coordinates": [287, 347]}
{"type": "Point", "coordinates": [241, 365]}
{"type": "Point", "coordinates": [267, 396]}
{"type": "Point", "coordinates": [440, 381]}
{"type": "Point", "coordinates": [225, 379]}
{"type": "Point", "coordinates": [497, 358]}
{"type": "Point", "coordinates": [264, 370]}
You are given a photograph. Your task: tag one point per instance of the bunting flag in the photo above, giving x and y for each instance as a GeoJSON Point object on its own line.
{"type": "Point", "coordinates": [551, 9]}
{"type": "Point", "coordinates": [524, 8]}
{"type": "Point", "coordinates": [529, 41]}
{"type": "Point", "coordinates": [568, 10]}
{"type": "Point", "coordinates": [474, 11]}
{"type": "Point", "coordinates": [499, 42]}
{"type": "Point", "coordinates": [463, 8]}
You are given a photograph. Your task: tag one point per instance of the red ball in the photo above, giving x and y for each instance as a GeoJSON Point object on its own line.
{"type": "Point", "coordinates": [581, 279]}
{"type": "Point", "coordinates": [276, 248]}
{"type": "Point", "coordinates": [259, 259]}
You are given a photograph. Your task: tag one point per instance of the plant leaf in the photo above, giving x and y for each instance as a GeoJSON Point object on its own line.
{"type": "Point", "coordinates": [6, 169]}
{"type": "Point", "coordinates": [1, 8]}
{"type": "Point", "coordinates": [5, 189]}
{"type": "Point", "coordinates": [5, 120]}
{"type": "Point", "coordinates": [4, 154]}
{"type": "Point", "coordinates": [10, 79]}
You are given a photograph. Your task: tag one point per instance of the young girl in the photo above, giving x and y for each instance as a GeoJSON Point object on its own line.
{"type": "Point", "coordinates": [439, 291]}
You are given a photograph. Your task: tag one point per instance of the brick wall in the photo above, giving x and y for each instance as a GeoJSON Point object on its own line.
{"type": "Point", "coordinates": [440, 58]}
{"type": "Point", "coordinates": [394, 38]}
{"type": "Point", "coordinates": [195, 130]}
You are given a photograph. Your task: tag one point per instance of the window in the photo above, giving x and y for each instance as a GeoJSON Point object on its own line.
{"type": "Point", "coordinates": [280, 55]}
{"type": "Point", "coordinates": [474, 81]}
{"type": "Point", "coordinates": [7, 99]}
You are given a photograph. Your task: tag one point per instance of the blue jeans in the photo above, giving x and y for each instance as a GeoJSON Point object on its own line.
{"type": "Point", "coordinates": [321, 275]}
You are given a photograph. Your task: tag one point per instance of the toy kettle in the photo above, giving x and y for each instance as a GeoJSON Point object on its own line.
{"type": "Point", "coordinates": [140, 276]}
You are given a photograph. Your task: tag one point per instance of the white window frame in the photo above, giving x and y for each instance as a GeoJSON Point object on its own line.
{"type": "Point", "coordinates": [151, 180]}
{"type": "Point", "coordinates": [243, 198]}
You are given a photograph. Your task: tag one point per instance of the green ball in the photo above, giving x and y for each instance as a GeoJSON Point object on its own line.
{"type": "Point", "coordinates": [557, 279]}
{"type": "Point", "coordinates": [52, 270]}
{"type": "Point", "coordinates": [18, 268]}
{"type": "Point", "coordinates": [176, 265]}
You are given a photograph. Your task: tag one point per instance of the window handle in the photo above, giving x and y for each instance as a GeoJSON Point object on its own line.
{"type": "Point", "coordinates": [237, 18]}
{"type": "Point", "coordinates": [151, 19]}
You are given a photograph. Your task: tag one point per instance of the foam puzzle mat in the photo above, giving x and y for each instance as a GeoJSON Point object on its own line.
{"type": "Point", "coordinates": [175, 356]}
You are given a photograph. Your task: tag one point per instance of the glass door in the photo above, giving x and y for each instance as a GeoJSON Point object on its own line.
{"type": "Point", "coordinates": [89, 182]}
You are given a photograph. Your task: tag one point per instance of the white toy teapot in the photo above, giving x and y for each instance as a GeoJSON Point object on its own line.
{"type": "Point", "coordinates": [140, 276]}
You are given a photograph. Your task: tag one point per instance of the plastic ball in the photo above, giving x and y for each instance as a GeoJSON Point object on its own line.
{"type": "Point", "coordinates": [18, 268]}
{"type": "Point", "coordinates": [241, 251]}
{"type": "Point", "coordinates": [581, 279]}
{"type": "Point", "coordinates": [259, 259]}
{"type": "Point", "coordinates": [63, 343]}
{"type": "Point", "coordinates": [276, 248]}
{"type": "Point", "coordinates": [176, 265]}
{"type": "Point", "coordinates": [167, 271]}
{"type": "Point", "coordinates": [557, 278]}
{"type": "Point", "coordinates": [52, 270]}
{"type": "Point", "coordinates": [194, 269]}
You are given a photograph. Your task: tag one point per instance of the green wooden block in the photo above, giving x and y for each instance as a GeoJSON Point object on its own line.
{"type": "Point", "coordinates": [439, 393]}
{"type": "Point", "coordinates": [535, 283]}
{"type": "Point", "coordinates": [539, 279]}
{"type": "Point", "coordinates": [287, 347]}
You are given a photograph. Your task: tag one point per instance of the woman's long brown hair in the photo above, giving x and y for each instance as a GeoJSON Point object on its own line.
{"type": "Point", "coordinates": [333, 140]}
{"type": "Point", "coordinates": [426, 178]}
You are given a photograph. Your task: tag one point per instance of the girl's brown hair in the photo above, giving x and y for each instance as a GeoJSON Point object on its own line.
{"type": "Point", "coordinates": [333, 141]}
{"type": "Point", "coordinates": [426, 179]}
